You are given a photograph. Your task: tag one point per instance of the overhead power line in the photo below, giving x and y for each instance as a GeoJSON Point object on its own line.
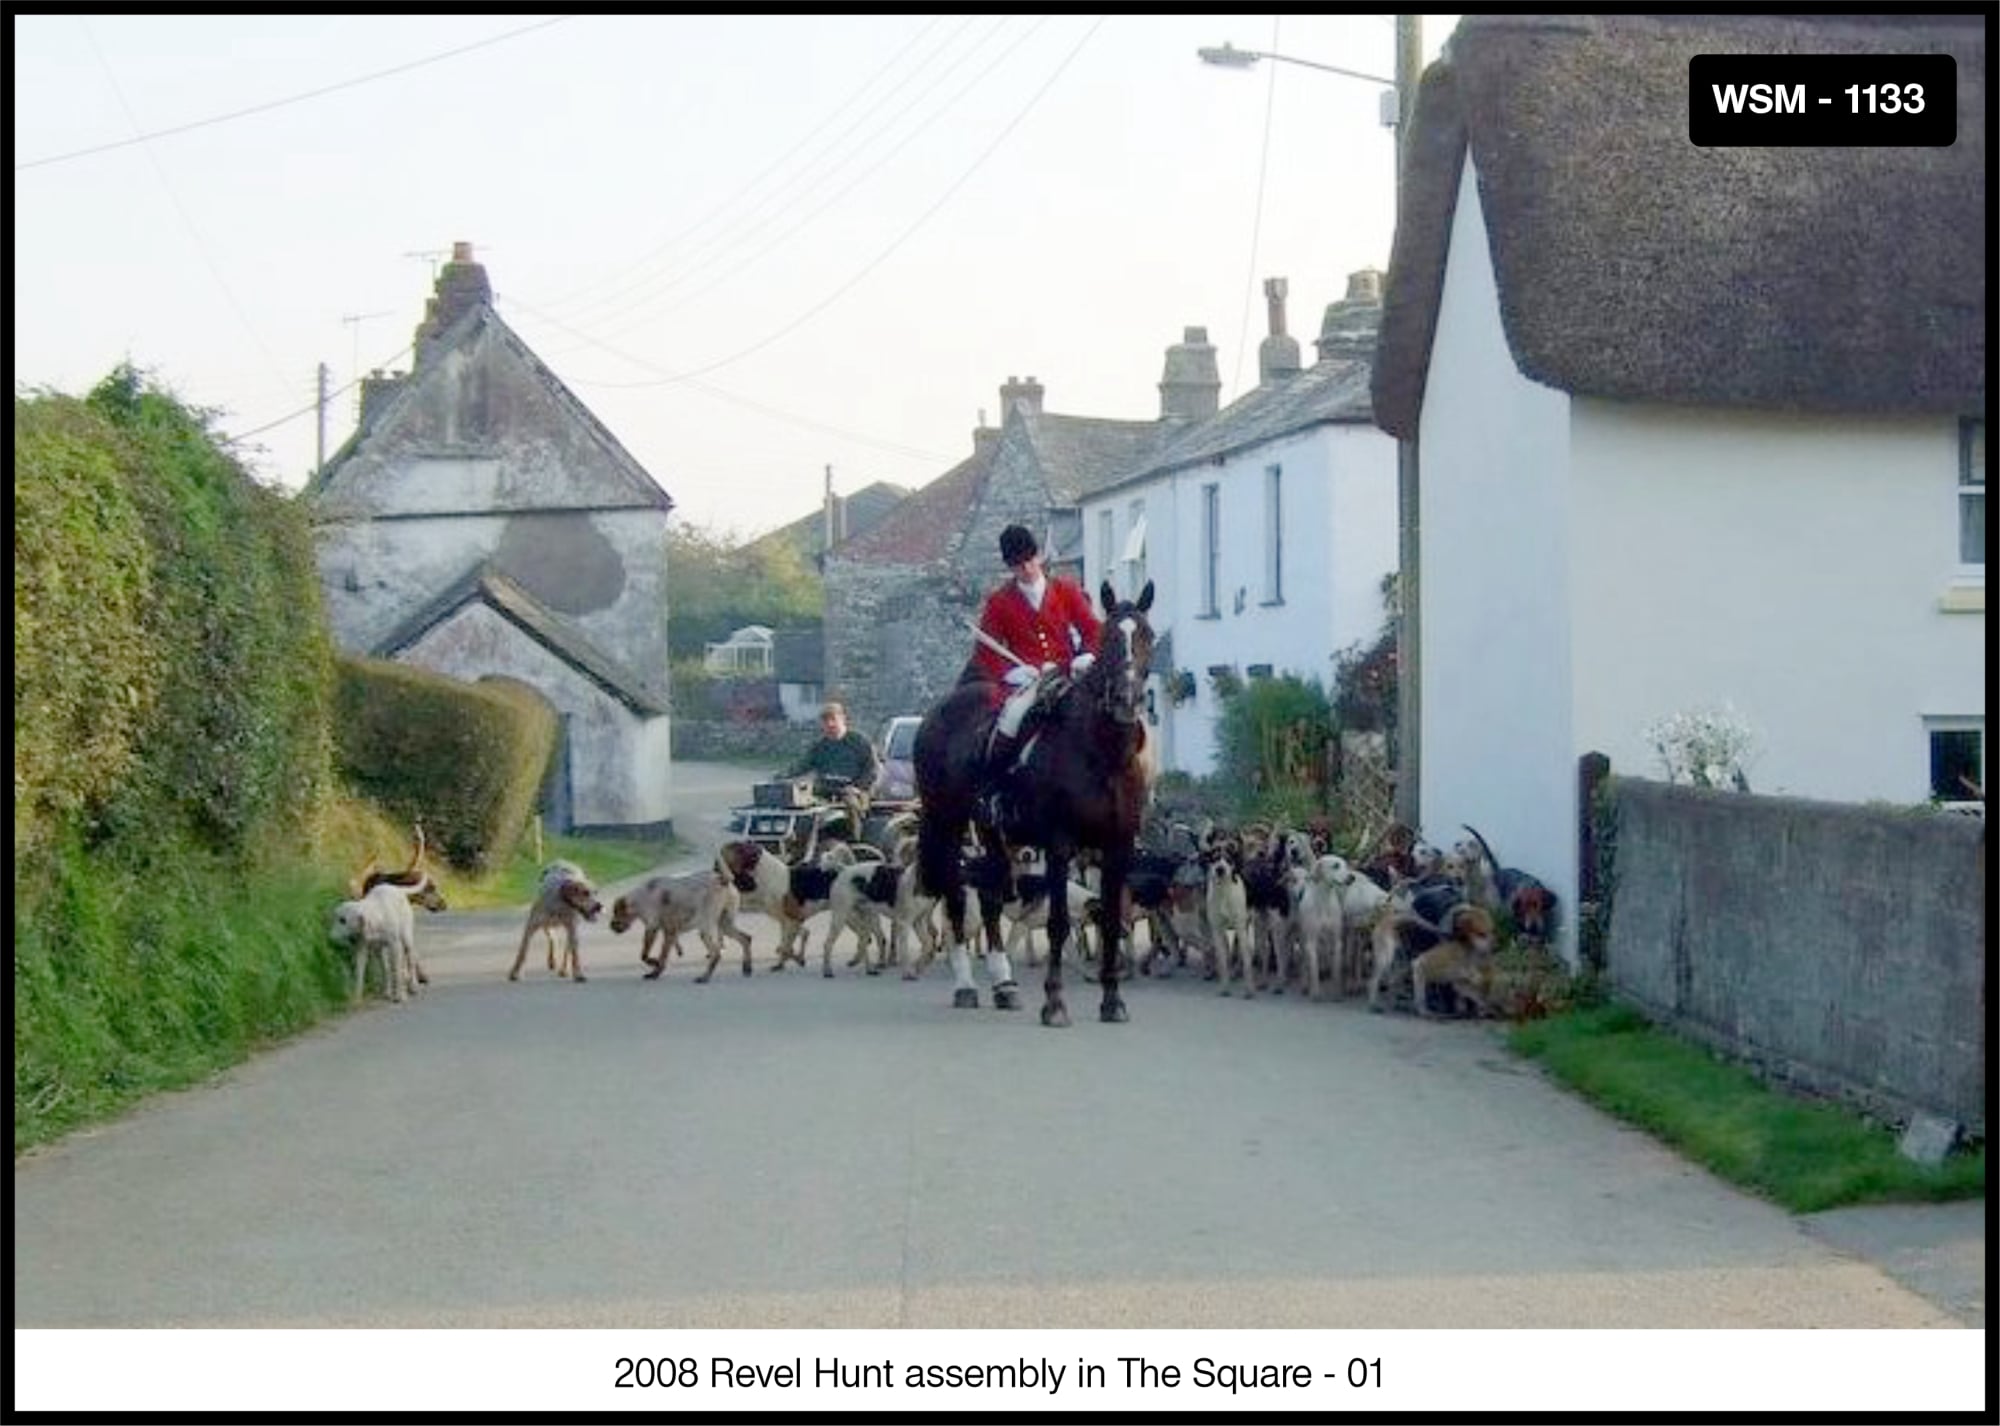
{"type": "Point", "coordinates": [293, 99]}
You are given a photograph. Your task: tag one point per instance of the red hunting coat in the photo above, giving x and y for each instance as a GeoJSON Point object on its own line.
{"type": "Point", "coordinates": [1063, 627]}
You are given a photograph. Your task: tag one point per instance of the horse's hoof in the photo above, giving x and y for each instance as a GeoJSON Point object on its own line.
{"type": "Point", "coordinates": [874, 970]}
{"type": "Point", "coordinates": [579, 978]}
{"type": "Point", "coordinates": [965, 1000]}
{"type": "Point", "coordinates": [653, 974]}
{"type": "Point", "coordinates": [747, 970]}
{"type": "Point", "coordinates": [1113, 1012]}
{"type": "Point", "coordinates": [702, 979]}
{"type": "Point", "coordinates": [909, 975]}
{"type": "Point", "coordinates": [1007, 997]}
{"type": "Point", "coordinates": [1056, 1016]}
{"type": "Point", "coordinates": [828, 972]}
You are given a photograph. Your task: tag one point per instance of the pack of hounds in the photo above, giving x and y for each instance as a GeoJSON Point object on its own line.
{"type": "Point", "coordinates": [1254, 909]}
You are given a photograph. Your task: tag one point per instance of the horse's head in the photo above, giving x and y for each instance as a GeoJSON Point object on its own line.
{"type": "Point", "coordinates": [1124, 654]}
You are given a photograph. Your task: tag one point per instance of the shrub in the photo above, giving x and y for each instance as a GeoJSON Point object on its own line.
{"type": "Point", "coordinates": [235, 750]}
{"type": "Point", "coordinates": [1273, 743]}
{"type": "Point", "coordinates": [85, 676]}
{"type": "Point", "coordinates": [468, 760]}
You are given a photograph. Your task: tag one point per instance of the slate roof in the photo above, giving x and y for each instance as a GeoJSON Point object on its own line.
{"type": "Point", "coordinates": [1634, 265]}
{"type": "Point", "coordinates": [920, 528]}
{"type": "Point", "coordinates": [1081, 455]}
{"type": "Point", "coordinates": [1331, 391]}
{"type": "Point", "coordinates": [488, 586]}
{"type": "Point", "coordinates": [864, 509]}
{"type": "Point", "coordinates": [638, 487]}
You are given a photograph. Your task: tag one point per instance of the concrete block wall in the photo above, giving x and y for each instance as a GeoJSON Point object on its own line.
{"type": "Point", "coordinates": [1838, 947]}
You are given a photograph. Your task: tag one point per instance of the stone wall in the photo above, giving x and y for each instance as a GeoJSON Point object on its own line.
{"type": "Point", "coordinates": [1838, 947]}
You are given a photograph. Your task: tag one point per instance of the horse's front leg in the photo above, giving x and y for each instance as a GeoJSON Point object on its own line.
{"type": "Point", "coordinates": [1111, 1009]}
{"type": "Point", "coordinates": [1054, 1012]}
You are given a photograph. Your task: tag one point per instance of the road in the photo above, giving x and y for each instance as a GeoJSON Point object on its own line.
{"type": "Point", "coordinates": [787, 1151]}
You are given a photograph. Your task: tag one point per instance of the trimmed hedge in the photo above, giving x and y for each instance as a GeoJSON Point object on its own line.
{"type": "Point", "coordinates": [466, 759]}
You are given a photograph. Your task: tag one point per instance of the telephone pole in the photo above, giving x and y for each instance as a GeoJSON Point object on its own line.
{"type": "Point", "coordinates": [1409, 677]}
{"type": "Point", "coordinates": [325, 377]}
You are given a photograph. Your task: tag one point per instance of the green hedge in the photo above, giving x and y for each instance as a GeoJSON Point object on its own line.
{"type": "Point", "coordinates": [205, 650]}
{"type": "Point", "coordinates": [467, 759]}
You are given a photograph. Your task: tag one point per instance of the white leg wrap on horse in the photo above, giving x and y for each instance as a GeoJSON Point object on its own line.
{"type": "Point", "coordinates": [961, 966]}
{"type": "Point", "coordinates": [999, 970]}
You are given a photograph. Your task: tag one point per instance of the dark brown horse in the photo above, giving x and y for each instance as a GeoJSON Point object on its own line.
{"type": "Point", "coordinates": [1081, 786]}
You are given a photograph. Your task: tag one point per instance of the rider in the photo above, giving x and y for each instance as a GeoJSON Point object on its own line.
{"type": "Point", "coordinates": [1046, 624]}
{"type": "Point", "coordinates": [840, 759]}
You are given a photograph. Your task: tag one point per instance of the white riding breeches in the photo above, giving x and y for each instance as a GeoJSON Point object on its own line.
{"type": "Point", "coordinates": [1016, 708]}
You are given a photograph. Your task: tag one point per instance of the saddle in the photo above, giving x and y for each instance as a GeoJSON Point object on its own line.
{"type": "Point", "coordinates": [1000, 779]}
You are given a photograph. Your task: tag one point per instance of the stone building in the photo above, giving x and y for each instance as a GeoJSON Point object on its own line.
{"type": "Point", "coordinates": [900, 597]}
{"type": "Point", "coordinates": [481, 522]}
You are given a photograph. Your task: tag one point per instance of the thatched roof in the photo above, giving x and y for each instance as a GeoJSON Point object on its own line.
{"type": "Point", "coordinates": [1635, 266]}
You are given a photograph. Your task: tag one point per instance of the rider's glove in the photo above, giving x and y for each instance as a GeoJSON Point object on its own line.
{"type": "Point", "coordinates": [1080, 665]}
{"type": "Point", "coordinates": [1019, 676]}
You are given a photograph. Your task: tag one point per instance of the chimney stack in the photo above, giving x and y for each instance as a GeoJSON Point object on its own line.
{"type": "Point", "coordinates": [1191, 385]}
{"type": "Point", "coordinates": [461, 286]}
{"type": "Point", "coordinates": [1278, 355]}
{"type": "Point", "coordinates": [1348, 330]}
{"type": "Point", "coordinates": [1021, 393]}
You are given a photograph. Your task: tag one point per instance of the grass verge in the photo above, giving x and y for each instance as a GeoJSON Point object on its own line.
{"type": "Point", "coordinates": [1806, 1155]}
{"type": "Point", "coordinates": [127, 984]}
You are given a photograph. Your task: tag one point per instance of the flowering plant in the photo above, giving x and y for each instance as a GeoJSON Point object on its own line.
{"type": "Point", "coordinates": [1704, 747]}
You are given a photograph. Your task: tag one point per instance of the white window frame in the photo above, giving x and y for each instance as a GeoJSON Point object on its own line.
{"type": "Point", "coordinates": [1135, 549]}
{"type": "Point", "coordinates": [1211, 551]}
{"type": "Point", "coordinates": [1971, 487]}
{"type": "Point", "coordinates": [1932, 728]}
{"type": "Point", "coordinates": [1274, 534]}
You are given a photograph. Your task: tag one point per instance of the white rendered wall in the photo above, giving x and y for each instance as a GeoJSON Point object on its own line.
{"type": "Point", "coordinates": [620, 768]}
{"type": "Point", "coordinates": [1791, 565]}
{"type": "Point", "coordinates": [1494, 478]}
{"type": "Point", "coordinates": [1339, 517]}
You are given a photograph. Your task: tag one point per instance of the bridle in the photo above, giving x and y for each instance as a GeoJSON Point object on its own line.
{"type": "Point", "coordinates": [1121, 677]}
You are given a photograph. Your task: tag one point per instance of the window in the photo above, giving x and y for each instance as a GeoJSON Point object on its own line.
{"type": "Point", "coordinates": [1135, 548]}
{"type": "Point", "coordinates": [1211, 550]}
{"type": "Point", "coordinates": [1972, 495]}
{"type": "Point", "coordinates": [1274, 534]}
{"type": "Point", "coordinates": [1958, 758]}
{"type": "Point", "coordinates": [1104, 519]}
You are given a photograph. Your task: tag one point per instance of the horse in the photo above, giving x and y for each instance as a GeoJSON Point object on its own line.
{"type": "Point", "coordinates": [1081, 784]}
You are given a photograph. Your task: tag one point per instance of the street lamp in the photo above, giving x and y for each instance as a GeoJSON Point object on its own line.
{"type": "Point", "coordinates": [1397, 103]}
{"type": "Point", "coordinates": [1229, 57]}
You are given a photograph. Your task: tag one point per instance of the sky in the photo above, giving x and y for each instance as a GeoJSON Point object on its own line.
{"type": "Point", "coordinates": [755, 247]}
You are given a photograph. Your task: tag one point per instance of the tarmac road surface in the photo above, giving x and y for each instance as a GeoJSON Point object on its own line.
{"type": "Point", "coordinates": [784, 1150]}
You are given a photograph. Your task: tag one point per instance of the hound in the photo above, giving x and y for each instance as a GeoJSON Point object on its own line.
{"type": "Point", "coordinates": [1463, 960]}
{"type": "Point", "coordinates": [1322, 921]}
{"type": "Point", "coordinates": [702, 901]}
{"type": "Point", "coordinates": [1230, 933]}
{"type": "Point", "coordinates": [1360, 900]}
{"type": "Point", "coordinates": [382, 924]}
{"type": "Point", "coordinates": [415, 881]}
{"type": "Point", "coordinates": [565, 895]}
{"type": "Point", "coordinates": [790, 895]}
